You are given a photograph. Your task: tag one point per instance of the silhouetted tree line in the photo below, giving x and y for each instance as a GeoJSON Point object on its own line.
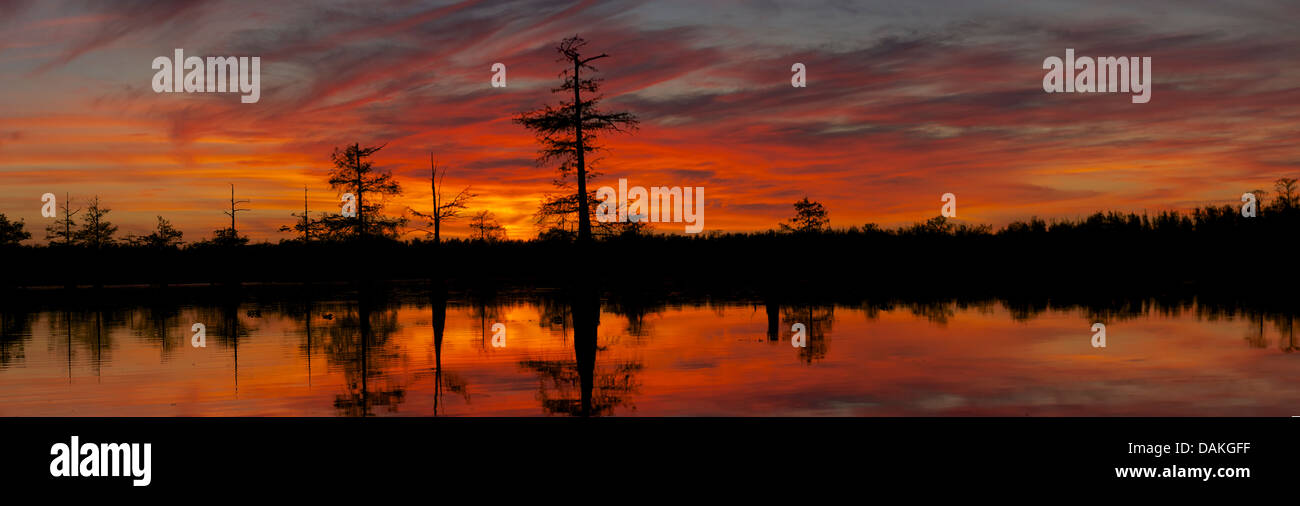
{"type": "Point", "coordinates": [1208, 246]}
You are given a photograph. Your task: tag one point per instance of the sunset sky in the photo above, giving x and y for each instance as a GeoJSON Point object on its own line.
{"type": "Point", "coordinates": [905, 101]}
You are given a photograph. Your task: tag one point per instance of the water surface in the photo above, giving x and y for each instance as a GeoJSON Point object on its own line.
{"type": "Point", "coordinates": [416, 356]}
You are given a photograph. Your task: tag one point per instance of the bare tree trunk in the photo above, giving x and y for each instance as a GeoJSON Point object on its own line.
{"type": "Point", "coordinates": [361, 208]}
{"type": "Point", "coordinates": [232, 210]}
{"type": "Point", "coordinates": [67, 221]}
{"type": "Point", "coordinates": [584, 221]}
{"type": "Point", "coordinates": [306, 220]}
{"type": "Point", "coordinates": [437, 202]}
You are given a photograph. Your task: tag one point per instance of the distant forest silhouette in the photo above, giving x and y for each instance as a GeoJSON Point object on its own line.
{"type": "Point", "coordinates": [1166, 251]}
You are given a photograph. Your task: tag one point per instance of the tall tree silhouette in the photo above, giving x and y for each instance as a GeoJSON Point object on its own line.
{"type": "Point", "coordinates": [443, 209]}
{"type": "Point", "coordinates": [235, 209]}
{"type": "Point", "coordinates": [63, 229]}
{"type": "Point", "coordinates": [809, 216]}
{"type": "Point", "coordinates": [354, 171]}
{"type": "Point", "coordinates": [485, 227]}
{"type": "Point", "coordinates": [306, 226]}
{"type": "Point", "coordinates": [164, 236]}
{"type": "Point", "coordinates": [568, 131]}
{"type": "Point", "coordinates": [1286, 193]}
{"type": "Point", "coordinates": [96, 231]}
{"type": "Point", "coordinates": [229, 236]}
{"type": "Point", "coordinates": [1260, 195]}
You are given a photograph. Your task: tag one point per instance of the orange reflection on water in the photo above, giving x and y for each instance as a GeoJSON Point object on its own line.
{"type": "Point", "coordinates": [917, 359]}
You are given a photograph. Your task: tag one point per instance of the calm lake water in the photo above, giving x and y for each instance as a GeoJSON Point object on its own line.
{"type": "Point", "coordinates": [415, 357]}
